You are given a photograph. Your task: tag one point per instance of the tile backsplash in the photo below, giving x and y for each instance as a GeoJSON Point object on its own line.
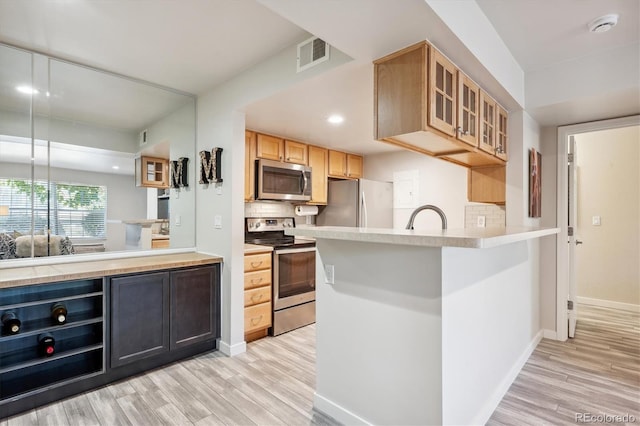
{"type": "Point", "coordinates": [268, 209]}
{"type": "Point", "coordinates": [494, 216]}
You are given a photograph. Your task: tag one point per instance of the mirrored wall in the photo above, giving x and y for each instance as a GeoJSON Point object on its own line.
{"type": "Point", "coordinates": [76, 147]}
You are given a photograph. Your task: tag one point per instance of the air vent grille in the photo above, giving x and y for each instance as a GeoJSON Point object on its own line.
{"type": "Point", "coordinates": [311, 52]}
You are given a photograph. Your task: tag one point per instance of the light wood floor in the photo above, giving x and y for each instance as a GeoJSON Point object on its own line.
{"type": "Point", "coordinates": [272, 384]}
{"type": "Point", "coordinates": [597, 372]}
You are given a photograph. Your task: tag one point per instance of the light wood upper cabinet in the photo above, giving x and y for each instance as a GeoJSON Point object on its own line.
{"type": "Point", "coordinates": [354, 166]}
{"type": "Point", "coordinates": [152, 172]}
{"type": "Point", "coordinates": [487, 184]}
{"type": "Point", "coordinates": [249, 165]}
{"type": "Point", "coordinates": [468, 106]}
{"type": "Point", "coordinates": [502, 133]}
{"type": "Point", "coordinates": [487, 123]}
{"type": "Point", "coordinates": [319, 163]}
{"type": "Point", "coordinates": [337, 164]}
{"type": "Point", "coordinates": [269, 147]}
{"type": "Point", "coordinates": [295, 152]}
{"type": "Point", "coordinates": [442, 93]}
{"type": "Point", "coordinates": [423, 104]}
{"type": "Point", "coordinates": [343, 165]}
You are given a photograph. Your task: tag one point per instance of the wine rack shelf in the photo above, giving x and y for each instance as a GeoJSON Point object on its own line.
{"type": "Point", "coordinates": [79, 341]}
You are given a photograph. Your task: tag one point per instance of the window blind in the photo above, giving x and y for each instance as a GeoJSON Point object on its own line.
{"type": "Point", "coordinates": [72, 210]}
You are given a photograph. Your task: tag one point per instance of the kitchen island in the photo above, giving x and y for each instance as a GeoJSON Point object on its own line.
{"type": "Point", "coordinates": [422, 327]}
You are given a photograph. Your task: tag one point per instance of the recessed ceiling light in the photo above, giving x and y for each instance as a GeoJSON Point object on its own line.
{"type": "Point", "coordinates": [27, 90]}
{"type": "Point", "coordinates": [335, 119]}
{"type": "Point", "coordinates": [603, 23]}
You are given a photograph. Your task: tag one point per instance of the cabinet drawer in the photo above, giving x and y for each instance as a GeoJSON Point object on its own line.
{"type": "Point", "coordinates": [257, 262]}
{"type": "Point", "coordinates": [257, 279]}
{"type": "Point", "coordinates": [257, 317]}
{"type": "Point", "coordinates": [257, 295]}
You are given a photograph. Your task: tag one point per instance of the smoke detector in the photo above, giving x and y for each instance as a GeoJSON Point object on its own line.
{"type": "Point", "coordinates": [603, 23]}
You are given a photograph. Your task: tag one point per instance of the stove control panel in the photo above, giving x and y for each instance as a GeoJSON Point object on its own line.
{"type": "Point", "coordinates": [262, 224]}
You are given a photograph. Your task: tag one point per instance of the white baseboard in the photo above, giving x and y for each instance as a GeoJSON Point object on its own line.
{"type": "Point", "coordinates": [492, 403]}
{"type": "Point", "coordinates": [550, 334]}
{"type": "Point", "coordinates": [232, 350]}
{"type": "Point", "coordinates": [609, 304]}
{"type": "Point", "coordinates": [342, 415]}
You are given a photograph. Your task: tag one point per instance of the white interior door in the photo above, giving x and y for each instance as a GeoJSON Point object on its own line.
{"type": "Point", "coordinates": [573, 241]}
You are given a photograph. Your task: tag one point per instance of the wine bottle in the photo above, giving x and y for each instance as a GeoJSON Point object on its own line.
{"type": "Point", "coordinates": [59, 313]}
{"type": "Point", "coordinates": [46, 344]}
{"type": "Point", "coordinates": [10, 322]}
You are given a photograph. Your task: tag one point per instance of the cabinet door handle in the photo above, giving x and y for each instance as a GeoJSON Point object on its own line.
{"type": "Point", "coordinates": [256, 297]}
{"type": "Point", "coordinates": [256, 264]}
{"type": "Point", "coordinates": [256, 281]}
{"type": "Point", "coordinates": [255, 321]}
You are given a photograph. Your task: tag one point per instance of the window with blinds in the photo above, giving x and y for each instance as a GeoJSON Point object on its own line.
{"type": "Point", "coordinates": [72, 210]}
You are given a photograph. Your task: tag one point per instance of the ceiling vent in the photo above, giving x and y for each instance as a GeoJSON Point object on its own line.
{"type": "Point", "coordinates": [311, 52]}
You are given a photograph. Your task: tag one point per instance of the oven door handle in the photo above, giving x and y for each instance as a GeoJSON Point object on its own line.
{"type": "Point", "coordinates": [294, 250]}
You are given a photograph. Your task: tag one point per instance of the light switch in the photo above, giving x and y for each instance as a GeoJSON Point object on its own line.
{"type": "Point", "coordinates": [329, 274]}
{"type": "Point", "coordinates": [178, 220]}
{"type": "Point", "coordinates": [217, 221]}
{"type": "Point", "coordinates": [595, 220]}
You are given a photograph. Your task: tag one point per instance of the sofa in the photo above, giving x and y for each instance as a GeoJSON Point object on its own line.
{"type": "Point", "coordinates": [15, 245]}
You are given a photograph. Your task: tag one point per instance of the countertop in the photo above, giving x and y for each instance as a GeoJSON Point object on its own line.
{"type": "Point", "coordinates": [28, 275]}
{"type": "Point", "coordinates": [464, 237]}
{"type": "Point", "coordinates": [255, 248]}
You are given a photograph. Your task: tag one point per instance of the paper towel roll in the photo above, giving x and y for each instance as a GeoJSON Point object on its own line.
{"type": "Point", "coordinates": [306, 210]}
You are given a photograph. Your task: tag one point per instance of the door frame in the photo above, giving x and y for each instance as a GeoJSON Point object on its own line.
{"type": "Point", "coordinates": [562, 214]}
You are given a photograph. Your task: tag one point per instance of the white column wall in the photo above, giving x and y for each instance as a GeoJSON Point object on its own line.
{"type": "Point", "coordinates": [221, 123]}
{"type": "Point", "coordinates": [378, 343]}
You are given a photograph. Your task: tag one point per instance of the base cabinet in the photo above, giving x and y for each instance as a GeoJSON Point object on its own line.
{"type": "Point", "coordinates": [194, 307]}
{"type": "Point", "coordinates": [157, 312]}
{"type": "Point", "coordinates": [116, 326]}
{"type": "Point", "coordinates": [139, 317]}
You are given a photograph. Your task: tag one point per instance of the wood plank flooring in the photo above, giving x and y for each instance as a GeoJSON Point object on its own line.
{"type": "Point", "coordinates": [595, 373]}
{"type": "Point", "coordinates": [598, 372]}
{"type": "Point", "coordinates": [271, 384]}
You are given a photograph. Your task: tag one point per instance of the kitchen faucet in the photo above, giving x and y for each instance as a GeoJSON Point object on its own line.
{"type": "Point", "coordinates": [427, 207]}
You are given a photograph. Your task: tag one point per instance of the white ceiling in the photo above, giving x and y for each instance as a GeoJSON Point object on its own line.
{"type": "Point", "coordinates": [194, 45]}
{"type": "Point", "coordinates": [546, 32]}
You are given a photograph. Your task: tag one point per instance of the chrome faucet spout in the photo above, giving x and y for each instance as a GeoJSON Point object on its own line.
{"type": "Point", "coordinates": [427, 207]}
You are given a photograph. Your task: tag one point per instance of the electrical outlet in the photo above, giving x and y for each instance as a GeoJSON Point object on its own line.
{"type": "Point", "coordinates": [217, 221]}
{"type": "Point", "coordinates": [481, 221]}
{"type": "Point", "coordinates": [329, 274]}
{"type": "Point", "coordinates": [219, 188]}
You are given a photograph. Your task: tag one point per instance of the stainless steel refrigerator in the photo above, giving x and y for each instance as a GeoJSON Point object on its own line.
{"type": "Point", "coordinates": [358, 203]}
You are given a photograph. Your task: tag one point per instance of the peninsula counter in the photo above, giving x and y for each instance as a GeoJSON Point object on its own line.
{"type": "Point", "coordinates": [422, 327]}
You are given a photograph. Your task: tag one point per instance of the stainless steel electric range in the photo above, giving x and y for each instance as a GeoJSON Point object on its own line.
{"type": "Point", "coordinates": [294, 272]}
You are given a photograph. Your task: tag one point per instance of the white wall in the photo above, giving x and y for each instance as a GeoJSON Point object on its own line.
{"type": "Point", "coordinates": [124, 199]}
{"type": "Point", "coordinates": [548, 246]}
{"type": "Point", "coordinates": [177, 130]}
{"type": "Point", "coordinates": [221, 124]}
{"type": "Point", "coordinates": [609, 187]}
{"type": "Point", "coordinates": [441, 183]}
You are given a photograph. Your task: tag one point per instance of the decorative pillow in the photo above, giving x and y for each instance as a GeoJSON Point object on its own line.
{"type": "Point", "coordinates": [66, 247]}
{"type": "Point", "coordinates": [7, 246]}
{"type": "Point", "coordinates": [23, 245]}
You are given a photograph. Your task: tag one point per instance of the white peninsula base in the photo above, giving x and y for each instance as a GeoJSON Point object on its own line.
{"type": "Point", "coordinates": [412, 334]}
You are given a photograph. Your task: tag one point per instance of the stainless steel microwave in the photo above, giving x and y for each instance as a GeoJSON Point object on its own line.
{"type": "Point", "coordinates": [282, 181]}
